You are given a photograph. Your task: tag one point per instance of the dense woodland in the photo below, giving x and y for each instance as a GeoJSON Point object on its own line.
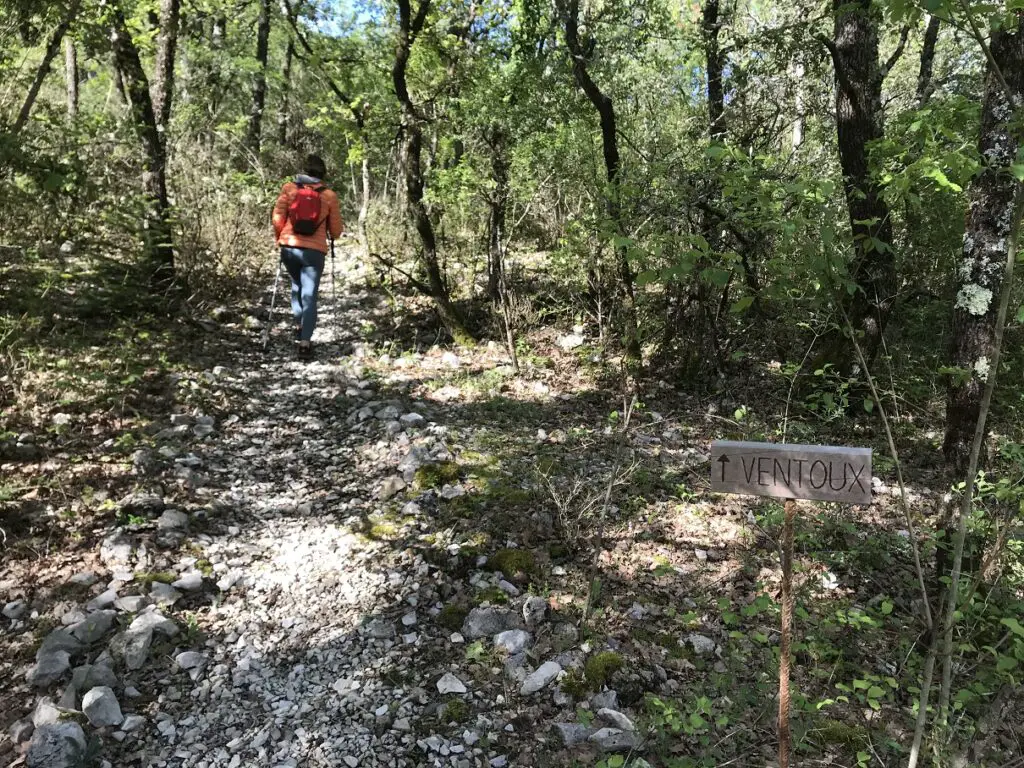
{"type": "Point", "coordinates": [806, 208]}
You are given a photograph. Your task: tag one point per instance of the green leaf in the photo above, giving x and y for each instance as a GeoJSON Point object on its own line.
{"type": "Point", "coordinates": [697, 721]}
{"type": "Point", "coordinates": [1017, 169]}
{"type": "Point", "coordinates": [647, 277]}
{"type": "Point", "coordinates": [886, 607]}
{"type": "Point", "coordinates": [53, 182]}
{"type": "Point", "coordinates": [475, 651]}
{"type": "Point", "coordinates": [940, 178]}
{"type": "Point", "coordinates": [1013, 625]}
{"type": "Point", "coordinates": [716, 276]}
{"type": "Point", "coordinates": [741, 305]}
{"type": "Point", "coordinates": [874, 692]}
{"type": "Point", "coordinates": [869, 406]}
{"type": "Point", "coordinates": [1006, 664]}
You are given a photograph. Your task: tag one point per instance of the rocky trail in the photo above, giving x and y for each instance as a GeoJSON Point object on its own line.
{"type": "Point", "coordinates": [284, 592]}
{"type": "Point", "coordinates": [384, 558]}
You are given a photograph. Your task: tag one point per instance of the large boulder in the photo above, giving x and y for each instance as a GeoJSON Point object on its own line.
{"type": "Point", "coordinates": [56, 745]}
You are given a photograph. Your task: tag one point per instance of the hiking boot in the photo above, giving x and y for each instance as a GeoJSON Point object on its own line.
{"type": "Point", "coordinates": [305, 351]}
{"type": "Point", "coordinates": [298, 331]}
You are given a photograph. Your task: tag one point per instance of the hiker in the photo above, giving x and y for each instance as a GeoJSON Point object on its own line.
{"type": "Point", "coordinates": [305, 214]}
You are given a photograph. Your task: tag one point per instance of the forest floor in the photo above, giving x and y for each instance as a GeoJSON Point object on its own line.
{"type": "Point", "coordinates": [384, 557]}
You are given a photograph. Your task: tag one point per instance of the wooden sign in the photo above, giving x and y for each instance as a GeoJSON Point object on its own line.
{"type": "Point", "coordinates": [818, 472]}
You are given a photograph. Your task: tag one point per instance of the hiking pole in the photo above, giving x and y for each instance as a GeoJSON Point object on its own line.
{"type": "Point", "coordinates": [334, 295]}
{"type": "Point", "coordinates": [270, 315]}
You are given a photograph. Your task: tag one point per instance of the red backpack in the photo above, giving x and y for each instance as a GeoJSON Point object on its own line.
{"type": "Point", "coordinates": [304, 210]}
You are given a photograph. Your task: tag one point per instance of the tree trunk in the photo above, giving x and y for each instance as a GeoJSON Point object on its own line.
{"type": "Point", "coordinates": [412, 127]}
{"type": "Point", "coordinates": [71, 77]}
{"type": "Point", "coordinates": [119, 89]}
{"type": "Point", "coordinates": [364, 205]}
{"type": "Point", "coordinates": [979, 274]}
{"type": "Point", "coordinates": [163, 75]}
{"type": "Point", "coordinates": [52, 48]}
{"type": "Point", "coordinates": [858, 78]}
{"type": "Point", "coordinates": [424, 227]}
{"type": "Point", "coordinates": [259, 83]}
{"type": "Point", "coordinates": [715, 64]}
{"type": "Point", "coordinates": [283, 117]}
{"type": "Point", "coordinates": [925, 86]}
{"type": "Point", "coordinates": [497, 203]}
{"type": "Point", "coordinates": [712, 222]}
{"type": "Point", "coordinates": [156, 225]}
{"type": "Point", "coordinates": [798, 106]}
{"type": "Point", "coordinates": [610, 143]}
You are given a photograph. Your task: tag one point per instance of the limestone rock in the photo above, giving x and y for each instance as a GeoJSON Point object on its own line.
{"type": "Point", "coordinates": [132, 647]}
{"type": "Point", "coordinates": [616, 719]}
{"type": "Point", "coordinates": [534, 610]}
{"type": "Point", "coordinates": [490, 621]}
{"type": "Point", "coordinates": [392, 487]}
{"type": "Point", "coordinates": [49, 668]}
{"type": "Point", "coordinates": [540, 678]}
{"type": "Point", "coordinates": [615, 740]}
{"type": "Point", "coordinates": [101, 707]}
{"type": "Point", "coordinates": [56, 745]}
{"type": "Point", "coordinates": [94, 627]}
{"type": "Point", "coordinates": [449, 683]}
{"type": "Point", "coordinates": [153, 620]}
{"type": "Point", "coordinates": [15, 609]}
{"type": "Point", "coordinates": [513, 641]}
{"type": "Point", "coordinates": [571, 734]}
{"type": "Point", "coordinates": [190, 582]}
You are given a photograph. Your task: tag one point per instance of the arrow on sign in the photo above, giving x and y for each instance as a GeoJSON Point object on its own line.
{"type": "Point", "coordinates": [723, 460]}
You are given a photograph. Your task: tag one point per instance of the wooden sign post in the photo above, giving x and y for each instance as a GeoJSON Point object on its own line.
{"type": "Point", "coordinates": [790, 472]}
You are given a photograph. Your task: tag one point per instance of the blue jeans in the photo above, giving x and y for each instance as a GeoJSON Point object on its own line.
{"type": "Point", "coordinates": [305, 266]}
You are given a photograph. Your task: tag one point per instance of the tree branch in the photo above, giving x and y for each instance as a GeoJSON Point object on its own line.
{"type": "Point", "coordinates": [898, 53]}
{"type": "Point", "coordinates": [346, 99]}
{"type": "Point", "coordinates": [1011, 95]}
{"type": "Point", "coordinates": [415, 283]}
{"type": "Point", "coordinates": [841, 76]}
{"type": "Point", "coordinates": [418, 21]}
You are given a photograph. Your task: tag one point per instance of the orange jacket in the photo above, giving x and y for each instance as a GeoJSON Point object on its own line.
{"type": "Point", "coordinates": [330, 212]}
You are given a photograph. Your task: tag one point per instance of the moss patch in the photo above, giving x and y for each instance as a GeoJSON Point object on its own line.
{"type": "Point", "coordinates": [559, 552]}
{"type": "Point", "coordinates": [436, 475]}
{"type": "Point", "coordinates": [838, 732]}
{"type": "Point", "coordinates": [383, 529]}
{"type": "Point", "coordinates": [452, 617]}
{"type": "Point", "coordinates": [455, 711]}
{"type": "Point", "coordinates": [493, 595]}
{"type": "Point", "coordinates": [514, 563]}
{"type": "Point", "coordinates": [164, 577]}
{"type": "Point", "coordinates": [600, 667]}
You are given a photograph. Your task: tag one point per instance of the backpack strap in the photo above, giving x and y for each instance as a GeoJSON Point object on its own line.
{"type": "Point", "coordinates": [319, 189]}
